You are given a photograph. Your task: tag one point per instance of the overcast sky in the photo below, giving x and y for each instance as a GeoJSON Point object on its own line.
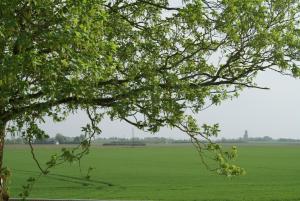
{"type": "Point", "coordinates": [274, 112]}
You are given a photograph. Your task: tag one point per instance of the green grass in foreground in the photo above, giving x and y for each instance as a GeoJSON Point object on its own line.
{"type": "Point", "coordinates": [162, 173]}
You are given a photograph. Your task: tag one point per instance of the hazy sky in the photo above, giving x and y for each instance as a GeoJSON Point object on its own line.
{"type": "Point", "coordinates": [274, 112]}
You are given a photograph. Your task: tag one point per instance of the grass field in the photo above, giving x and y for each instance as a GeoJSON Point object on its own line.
{"type": "Point", "coordinates": [163, 173]}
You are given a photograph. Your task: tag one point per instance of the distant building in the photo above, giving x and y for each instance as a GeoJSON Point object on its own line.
{"type": "Point", "coordinates": [246, 135]}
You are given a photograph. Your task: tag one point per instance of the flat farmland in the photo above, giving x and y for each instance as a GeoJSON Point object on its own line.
{"type": "Point", "coordinates": [161, 173]}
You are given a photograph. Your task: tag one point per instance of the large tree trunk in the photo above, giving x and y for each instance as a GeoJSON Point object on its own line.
{"type": "Point", "coordinates": [3, 193]}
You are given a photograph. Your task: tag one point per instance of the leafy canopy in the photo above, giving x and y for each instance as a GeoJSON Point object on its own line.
{"type": "Point", "coordinates": [141, 61]}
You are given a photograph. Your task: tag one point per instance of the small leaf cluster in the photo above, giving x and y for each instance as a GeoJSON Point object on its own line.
{"type": "Point", "coordinates": [27, 188]}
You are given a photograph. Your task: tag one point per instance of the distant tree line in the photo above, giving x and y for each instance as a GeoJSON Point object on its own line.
{"type": "Point", "coordinates": [61, 139]}
{"type": "Point", "coordinates": [138, 141]}
{"type": "Point", "coordinates": [265, 139]}
{"type": "Point", "coordinates": [58, 139]}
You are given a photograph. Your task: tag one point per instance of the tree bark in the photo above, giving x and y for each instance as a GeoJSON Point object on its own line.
{"type": "Point", "coordinates": [3, 193]}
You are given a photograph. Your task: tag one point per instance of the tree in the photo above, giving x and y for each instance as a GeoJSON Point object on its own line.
{"type": "Point", "coordinates": [78, 139]}
{"type": "Point", "coordinates": [143, 62]}
{"type": "Point", "coordinates": [60, 138]}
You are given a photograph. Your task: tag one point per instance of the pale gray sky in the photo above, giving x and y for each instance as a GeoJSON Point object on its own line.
{"type": "Point", "coordinates": [274, 112]}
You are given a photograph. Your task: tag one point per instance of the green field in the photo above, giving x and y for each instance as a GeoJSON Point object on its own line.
{"type": "Point", "coordinates": [163, 173]}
